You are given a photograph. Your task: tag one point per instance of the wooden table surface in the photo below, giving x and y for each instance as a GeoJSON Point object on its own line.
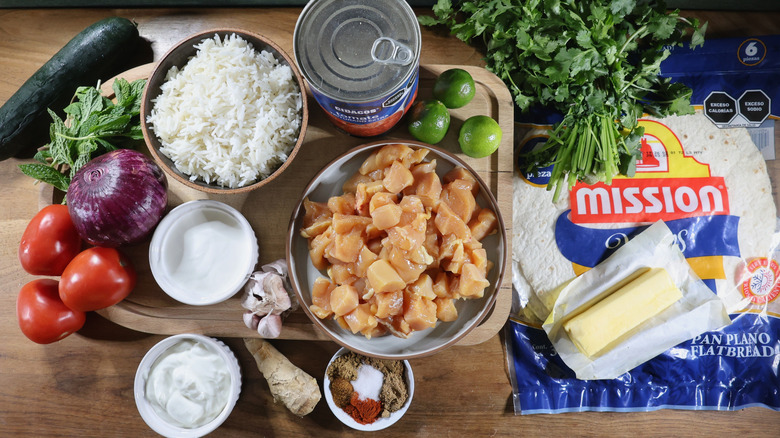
{"type": "Point", "coordinates": [82, 386]}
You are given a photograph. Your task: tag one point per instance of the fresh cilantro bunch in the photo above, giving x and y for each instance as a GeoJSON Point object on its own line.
{"type": "Point", "coordinates": [594, 61]}
{"type": "Point", "coordinates": [93, 126]}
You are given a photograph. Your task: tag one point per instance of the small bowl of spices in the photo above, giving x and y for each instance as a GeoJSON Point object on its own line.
{"type": "Point", "coordinates": [367, 393]}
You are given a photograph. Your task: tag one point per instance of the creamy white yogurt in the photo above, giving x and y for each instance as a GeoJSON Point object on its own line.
{"type": "Point", "coordinates": [211, 256]}
{"type": "Point", "coordinates": [203, 252]}
{"type": "Point", "coordinates": [188, 385]}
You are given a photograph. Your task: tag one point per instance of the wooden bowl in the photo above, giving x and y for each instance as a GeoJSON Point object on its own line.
{"type": "Point", "coordinates": [328, 182]}
{"type": "Point", "coordinates": [178, 56]}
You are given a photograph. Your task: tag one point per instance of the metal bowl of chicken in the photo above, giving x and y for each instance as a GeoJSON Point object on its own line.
{"type": "Point", "coordinates": [396, 249]}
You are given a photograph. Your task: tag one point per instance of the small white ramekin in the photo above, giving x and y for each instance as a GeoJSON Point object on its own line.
{"type": "Point", "coordinates": [154, 421]}
{"type": "Point", "coordinates": [380, 423]}
{"type": "Point", "coordinates": [166, 244]}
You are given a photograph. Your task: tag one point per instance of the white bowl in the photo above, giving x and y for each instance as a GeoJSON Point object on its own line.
{"type": "Point", "coordinates": [380, 423]}
{"type": "Point", "coordinates": [205, 281]}
{"type": "Point", "coordinates": [328, 182]}
{"type": "Point", "coordinates": [158, 424]}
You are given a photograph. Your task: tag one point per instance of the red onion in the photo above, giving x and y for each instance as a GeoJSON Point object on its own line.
{"type": "Point", "coordinates": [117, 198]}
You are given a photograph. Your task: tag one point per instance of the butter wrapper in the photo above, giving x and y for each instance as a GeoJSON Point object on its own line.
{"type": "Point", "coordinates": [698, 311]}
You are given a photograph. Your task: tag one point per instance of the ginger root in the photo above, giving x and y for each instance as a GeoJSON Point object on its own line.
{"type": "Point", "coordinates": [297, 390]}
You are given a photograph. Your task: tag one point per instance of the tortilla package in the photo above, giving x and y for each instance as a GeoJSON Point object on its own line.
{"type": "Point", "coordinates": [711, 187]}
{"type": "Point", "coordinates": [734, 82]}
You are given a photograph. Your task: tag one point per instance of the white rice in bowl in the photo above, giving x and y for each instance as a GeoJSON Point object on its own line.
{"type": "Point", "coordinates": [230, 116]}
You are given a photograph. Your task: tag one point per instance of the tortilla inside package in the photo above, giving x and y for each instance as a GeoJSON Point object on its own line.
{"type": "Point", "coordinates": [711, 187]}
{"type": "Point", "coordinates": [692, 312]}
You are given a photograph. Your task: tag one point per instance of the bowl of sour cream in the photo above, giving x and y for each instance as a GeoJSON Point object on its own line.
{"type": "Point", "coordinates": [187, 385]}
{"type": "Point", "coordinates": [203, 252]}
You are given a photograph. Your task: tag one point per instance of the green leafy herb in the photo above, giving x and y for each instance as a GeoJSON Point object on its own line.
{"type": "Point", "coordinates": [595, 62]}
{"type": "Point", "coordinates": [93, 126]}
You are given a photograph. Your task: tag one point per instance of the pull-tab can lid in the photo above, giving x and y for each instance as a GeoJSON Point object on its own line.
{"type": "Point", "coordinates": [389, 51]}
{"type": "Point", "coordinates": [354, 50]}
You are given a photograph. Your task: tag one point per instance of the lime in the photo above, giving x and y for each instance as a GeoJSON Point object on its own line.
{"type": "Point", "coordinates": [429, 121]}
{"type": "Point", "coordinates": [454, 87]}
{"type": "Point", "coordinates": [479, 136]}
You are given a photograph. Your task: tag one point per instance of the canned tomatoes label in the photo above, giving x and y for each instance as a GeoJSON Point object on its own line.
{"type": "Point", "coordinates": [361, 61]}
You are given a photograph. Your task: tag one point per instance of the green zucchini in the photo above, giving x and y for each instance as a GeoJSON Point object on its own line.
{"type": "Point", "coordinates": [84, 60]}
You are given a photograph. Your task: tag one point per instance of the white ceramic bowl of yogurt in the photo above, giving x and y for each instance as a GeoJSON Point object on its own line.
{"type": "Point", "coordinates": [203, 252]}
{"type": "Point", "coordinates": [187, 385]}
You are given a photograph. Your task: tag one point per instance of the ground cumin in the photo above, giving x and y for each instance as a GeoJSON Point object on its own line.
{"type": "Point", "coordinates": [342, 392]}
{"type": "Point", "coordinates": [394, 391]}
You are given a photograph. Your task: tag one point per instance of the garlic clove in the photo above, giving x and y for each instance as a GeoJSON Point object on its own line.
{"type": "Point", "coordinates": [277, 294]}
{"type": "Point", "coordinates": [270, 326]}
{"type": "Point", "coordinates": [278, 266]}
{"type": "Point", "coordinates": [251, 320]}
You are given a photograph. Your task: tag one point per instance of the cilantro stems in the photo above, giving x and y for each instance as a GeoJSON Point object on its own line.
{"type": "Point", "coordinates": [586, 149]}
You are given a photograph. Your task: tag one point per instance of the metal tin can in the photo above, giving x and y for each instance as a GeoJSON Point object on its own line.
{"type": "Point", "coordinates": [361, 61]}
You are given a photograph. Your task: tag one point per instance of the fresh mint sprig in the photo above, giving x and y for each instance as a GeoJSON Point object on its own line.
{"type": "Point", "coordinates": [93, 125]}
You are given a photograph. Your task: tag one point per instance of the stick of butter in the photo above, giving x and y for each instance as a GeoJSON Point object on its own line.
{"type": "Point", "coordinates": [611, 320]}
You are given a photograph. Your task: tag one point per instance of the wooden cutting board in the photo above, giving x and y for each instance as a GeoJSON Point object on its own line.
{"type": "Point", "coordinates": [148, 309]}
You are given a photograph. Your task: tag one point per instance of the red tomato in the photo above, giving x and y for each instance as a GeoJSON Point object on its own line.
{"type": "Point", "coordinates": [42, 315]}
{"type": "Point", "coordinates": [49, 242]}
{"type": "Point", "coordinates": [97, 278]}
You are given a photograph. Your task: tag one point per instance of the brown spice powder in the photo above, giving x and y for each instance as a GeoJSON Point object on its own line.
{"type": "Point", "coordinates": [342, 391]}
{"type": "Point", "coordinates": [394, 392]}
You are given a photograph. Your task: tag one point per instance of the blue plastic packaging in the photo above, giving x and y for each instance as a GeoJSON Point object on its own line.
{"type": "Point", "coordinates": [734, 81]}
{"type": "Point", "coordinates": [729, 369]}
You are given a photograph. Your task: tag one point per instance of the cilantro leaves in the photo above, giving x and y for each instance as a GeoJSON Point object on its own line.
{"type": "Point", "coordinates": [594, 61]}
{"type": "Point", "coordinates": [93, 126]}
